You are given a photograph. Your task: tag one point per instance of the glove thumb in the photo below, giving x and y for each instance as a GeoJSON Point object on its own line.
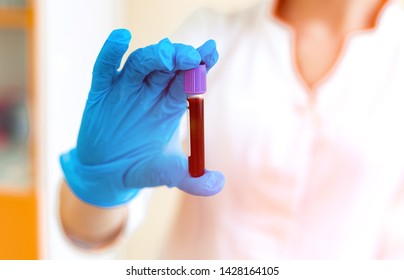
{"type": "Point", "coordinates": [172, 170]}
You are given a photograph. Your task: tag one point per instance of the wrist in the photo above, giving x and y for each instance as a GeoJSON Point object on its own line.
{"type": "Point", "coordinates": [88, 226]}
{"type": "Point", "coordinates": [98, 185]}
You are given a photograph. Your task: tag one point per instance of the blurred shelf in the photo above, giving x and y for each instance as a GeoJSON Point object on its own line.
{"type": "Point", "coordinates": [19, 230]}
{"type": "Point", "coordinates": [15, 17]}
{"type": "Point", "coordinates": [19, 219]}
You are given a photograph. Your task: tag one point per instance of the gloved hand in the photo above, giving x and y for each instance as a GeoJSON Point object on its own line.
{"type": "Point", "coordinates": [128, 137]}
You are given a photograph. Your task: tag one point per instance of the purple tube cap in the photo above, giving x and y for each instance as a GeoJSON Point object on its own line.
{"type": "Point", "coordinates": [195, 80]}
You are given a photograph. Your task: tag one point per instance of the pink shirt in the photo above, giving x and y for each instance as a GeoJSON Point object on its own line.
{"type": "Point", "coordinates": [305, 178]}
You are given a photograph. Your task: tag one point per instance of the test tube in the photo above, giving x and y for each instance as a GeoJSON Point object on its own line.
{"type": "Point", "coordinates": [195, 87]}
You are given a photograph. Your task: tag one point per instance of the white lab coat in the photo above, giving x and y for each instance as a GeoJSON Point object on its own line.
{"type": "Point", "coordinates": [306, 178]}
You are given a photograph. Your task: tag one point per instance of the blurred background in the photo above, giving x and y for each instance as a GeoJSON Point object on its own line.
{"type": "Point", "coordinates": [47, 51]}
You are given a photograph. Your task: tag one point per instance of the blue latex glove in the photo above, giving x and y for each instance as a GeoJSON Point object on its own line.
{"type": "Point", "coordinates": [128, 137]}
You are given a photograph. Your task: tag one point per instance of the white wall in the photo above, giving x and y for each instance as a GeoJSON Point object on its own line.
{"type": "Point", "coordinates": [152, 20]}
{"type": "Point", "coordinates": [70, 34]}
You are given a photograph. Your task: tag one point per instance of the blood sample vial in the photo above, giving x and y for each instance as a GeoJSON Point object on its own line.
{"type": "Point", "coordinates": [195, 87]}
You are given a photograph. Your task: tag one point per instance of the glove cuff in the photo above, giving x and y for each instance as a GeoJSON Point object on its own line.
{"type": "Point", "coordinates": [98, 185]}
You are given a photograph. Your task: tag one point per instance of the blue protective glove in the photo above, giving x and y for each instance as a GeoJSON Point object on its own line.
{"type": "Point", "coordinates": [128, 137]}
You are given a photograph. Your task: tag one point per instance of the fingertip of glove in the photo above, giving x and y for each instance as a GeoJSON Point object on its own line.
{"type": "Point", "coordinates": [121, 36]}
{"type": "Point", "coordinates": [208, 47]}
{"type": "Point", "coordinates": [209, 53]}
{"type": "Point", "coordinates": [166, 52]}
{"type": "Point", "coordinates": [210, 44]}
{"type": "Point", "coordinates": [189, 60]}
{"type": "Point", "coordinates": [215, 182]}
{"type": "Point", "coordinates": [211, 183]}
{"type": "Point", "coordinates": [212, 59]}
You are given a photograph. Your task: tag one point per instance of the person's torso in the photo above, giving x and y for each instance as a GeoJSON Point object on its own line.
{"type": "Point", "coordinates": [305, 178]}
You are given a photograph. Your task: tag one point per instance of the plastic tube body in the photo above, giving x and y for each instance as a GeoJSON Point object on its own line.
{"type": "Point", "coordinates": [195, 87]}
{"type": "Point", "coordinates": [196, 159]}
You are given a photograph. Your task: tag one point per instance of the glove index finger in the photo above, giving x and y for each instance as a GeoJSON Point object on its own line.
{"type": "Point", "coordinates": [207, 54]}
{"type": "Point", "coordinates": [109, 59]}
{"type": "Point", "coordinates": [143, 61]}
{"type": "Point", "coordinates": [186, 57]}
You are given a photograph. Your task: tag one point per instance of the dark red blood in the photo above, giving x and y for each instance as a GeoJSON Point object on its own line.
{"type": "Point", "coordinates": [196, 160]}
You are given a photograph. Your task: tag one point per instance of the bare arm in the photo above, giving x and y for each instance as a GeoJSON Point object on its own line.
{"type": "Point", "coordinates": [88, 226]}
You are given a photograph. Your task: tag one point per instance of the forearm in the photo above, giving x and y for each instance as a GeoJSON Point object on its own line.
{"type": "Point", "coordinates": [89, 226]}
